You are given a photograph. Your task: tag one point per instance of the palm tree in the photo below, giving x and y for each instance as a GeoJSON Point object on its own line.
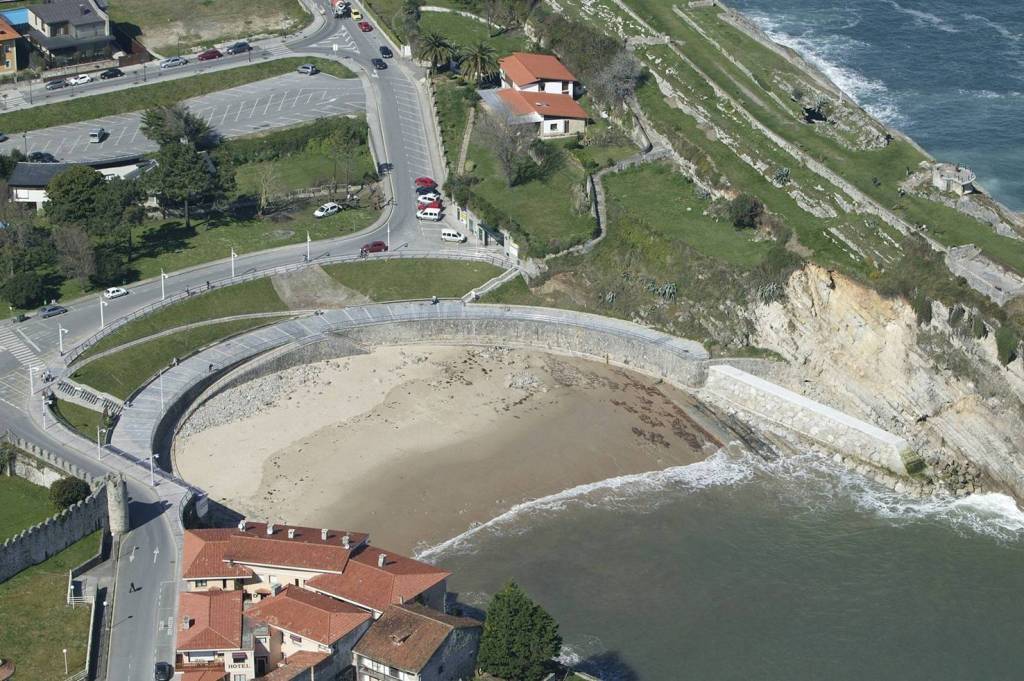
{"type": "Point", "coordinates": [479, 62]}
{"type": "Point", "coordinates": [436, 49]}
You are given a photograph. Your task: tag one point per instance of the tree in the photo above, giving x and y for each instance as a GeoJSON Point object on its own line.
{"type": "Point", "coordinates": [75, 254]}
{"type": "Point", "coordinates": [519, 637]}
{"type": "Point", "coordinates": [78, 197]}
{"type": "Point", "coordinates": [744, 210]}
{"type": "Point", "coordinates": [185, 177]}
{"type": "Point", "coordinates": [268, 178]}
{"type": "Point", "coordinates": [617, 81]}
{"type": "Point", "coordinates": [24, 289]}
{"type": "Point", "coordinates": [67, 492]}
{"type": "Point", "coordinates": [435, 48]}
{"type": "Point", "coordinates": [175, 123]}
{"type": "Point", "coordinates": [479, 62]}
{"type": "Point", "coordinates": [509, 143]}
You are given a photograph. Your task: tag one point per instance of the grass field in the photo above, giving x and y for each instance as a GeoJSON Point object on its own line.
{"type": "Point", "coordinates": [252, 296]}
{"type": "Point", "coordinates": [24, 505]}
{"type": "Point", "coordinates": [82, 419]}
{"type": "Point", "coordinates": [303, 170]}
{"type": "Point", "coordinates": [122, 372]}
{"type": "Point", "coordinates": [386, 280]}
{"type": "Point", "coordinates": [156, 94]}
{"type": "Point", "coordinates": [454, 100]}
{"type": "Point", "coordinates": [466, 32]}
{"type": "Point", "coordinates": [37, 624]}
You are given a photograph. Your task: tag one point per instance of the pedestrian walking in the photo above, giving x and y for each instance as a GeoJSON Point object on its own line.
{"type": "Point", "coordinates": [210, 368]}
{"type": "Point", "coordinates": [131, 588]}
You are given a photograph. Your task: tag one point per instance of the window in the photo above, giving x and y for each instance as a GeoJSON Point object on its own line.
{"type": "Point", "coordinates": [200, 583]}
{"type": "Point", "coordinates": [273, 579]}
{"type": "Point", "coordinates": [295, 639]}
{"type": "Point", "coordinates": [238, 677]}
{"type": "Point", "coordinates": [21, 193]}
{"type": "Point", "coordinates": [553, 127]}
{"type": "Point", "coordinates": [239, 657]}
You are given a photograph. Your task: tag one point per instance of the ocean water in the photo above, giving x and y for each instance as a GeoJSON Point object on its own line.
{"type": "Point", "coordinates": [948, 73]}
{"type": "Point", "coordinates": [735, 568]}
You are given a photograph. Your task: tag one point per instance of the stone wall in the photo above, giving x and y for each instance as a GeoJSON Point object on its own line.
{"type": "Point", "coordinates": [40, 459]}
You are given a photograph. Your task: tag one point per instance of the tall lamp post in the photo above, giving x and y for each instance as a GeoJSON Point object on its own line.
{"type": "Point", "coordinates": [99, 431]}
{"type": "Point", "coordinates": [152, 479]}
{"type": "Point", "coordinates": [307, 246]}
{"type": "Point", "coordinates": [65, 661]}
{"type": "Point", "coordinates": [60, 337]}
{"type": "Point", "coordinates": [233, 256]}
{"type": "Point", "coordinates": [103, 304]}
{"type": "Point", "coordinates": [163, 292]}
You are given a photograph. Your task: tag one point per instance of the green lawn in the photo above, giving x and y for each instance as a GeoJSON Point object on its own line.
{"type": "Point", "coordinates": [303, 170]}
{"type": "Point", "coordinates": [156, 94]}
{"type": "Point", "coordinates": [25, 505]}
{"type": "Point", "coordinates": [38, 625]}
{"type": "Point", "coordinates": [82, 419]}
{"type": "Point", "coordinates": [250, 297]}
{"type": "Point", "coordinates": [514, 292]}
{"type": "Point", "coordinates": [465, 32]}
{"type": "Point", "coordinates": [388, 12]}
{"type": "Point", "coordinates": [386, 280]}
{"type": "Point", "coordinates": [121, 373]}
{"type": "Point", "coordinates": [454, 100]}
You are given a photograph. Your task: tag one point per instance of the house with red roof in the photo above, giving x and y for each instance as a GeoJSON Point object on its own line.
{"type": "Point", "coordinates": [212, 635]}
{"type": "Point", "coordinates": [532, 72]}
{"type": "Point", "coordinates": [537, 90]}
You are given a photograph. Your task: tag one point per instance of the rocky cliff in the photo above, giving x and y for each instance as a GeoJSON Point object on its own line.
{"type": "Point", "coordinates": [935, 383]}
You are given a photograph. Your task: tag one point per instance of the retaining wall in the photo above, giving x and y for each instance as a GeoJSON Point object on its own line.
{"type": "Point", "coordinates": [39, 459]}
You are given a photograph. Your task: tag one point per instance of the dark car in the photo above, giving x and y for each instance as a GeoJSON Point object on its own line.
{"type": "Point", "coordinates": [41, 157]}
{"type": "Point", "coordinates": [53, 310]}
{"type": "Point", "coordinates": [111, 73]}
{"type": "Point", "coordinates": [58, 84]}
{"type": "Point", "coordinates": [378, 64]}
{"type": "Point", "coordinates": [163, 672]}
{"type": "Point", "coordinates": [386, 52]}
{"type": "Point", "coordinates": [374, 247]}
{"type": "Point", "coordinates": [212, 53]}
{"type": "Point", "coordinates": [420, 191]}
{"type": "Point", "coordinates": [241, 47]}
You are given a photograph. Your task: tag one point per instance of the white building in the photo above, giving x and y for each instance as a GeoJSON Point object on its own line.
{"type": "Point", "coordinates": [532, 72]}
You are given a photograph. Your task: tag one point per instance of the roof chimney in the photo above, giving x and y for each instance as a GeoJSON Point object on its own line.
{"type": "Point", "coordinates": [291, 533]}
{"type": "Point", "coordinates": [382, 559]}
{"type": "Point", "coordinates": [241, 525]}
{"type": "Point", "coordinates": [186, 622]}
{"type": "Point", "coordinates": [345, 541]}
{"type": "Point", "coordinates": [323, 534]}
{"type": "Point", "coordinates": [270, 528]}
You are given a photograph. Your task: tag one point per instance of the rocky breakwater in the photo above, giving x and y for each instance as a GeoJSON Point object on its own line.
{"type": "Point", "coordinates": [934, 384]}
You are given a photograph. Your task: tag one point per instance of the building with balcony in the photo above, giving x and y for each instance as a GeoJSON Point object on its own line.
{"type": "Point", "coordinates": [531, 72]}
{"type": "Point", "coordinates": [212, 635]}
{"type": "Point", "coordinates": [69, 32]}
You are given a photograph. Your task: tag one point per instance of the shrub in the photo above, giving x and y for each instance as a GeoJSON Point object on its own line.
{"type": "Point", "coordinates": [1007, 341]}
{"type": "Point", "coordinates": [922, 308]}
{"type": "Point", "coordinates": [24, 290]}
{"type": "Point", "coordinates": [67, 492]}
{"type": "Point", "coordinates": [745, 210]}
{"type": "Point", "coordinates": [519, 637]}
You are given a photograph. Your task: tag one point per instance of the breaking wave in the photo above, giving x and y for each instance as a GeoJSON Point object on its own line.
{"type": "Point", "coordinates": [924, 18]}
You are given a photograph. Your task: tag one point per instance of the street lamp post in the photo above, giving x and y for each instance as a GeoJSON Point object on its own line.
{"type": "Point", "coordinates": [233, 256]}
{"type": "Point", "coordinates": [60, 337]}
{"type": "Point", "coordinates": [163, 292]}
{"type": "Point", "coordinates": [24, 139]}
{"type": "Point", "coordinates": [152, 479]}
{"type": "Point", "coordinates": [103, 304]}
{"type": "Point", "coordinates": [99, 431]}
{"type": "Point", "coordinates": [65, 661]}
{"type": "Point", "coordinates": [307, 246]}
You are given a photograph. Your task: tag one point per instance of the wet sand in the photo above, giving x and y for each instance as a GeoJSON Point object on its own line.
{"type": "Point", "coordinates": [415, 445]}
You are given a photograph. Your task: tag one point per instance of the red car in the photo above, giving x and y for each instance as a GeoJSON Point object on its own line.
{"type": "Point", "coordinates": [434, 204]}
{"type": "Point", "coordinates": [425, 182]}
{"type": "Point", "coordinates": [211, 53]}
{"type": "Point", "coordinates": [365, 27]}
{"type": "Point", "coordinates": [374, 247]}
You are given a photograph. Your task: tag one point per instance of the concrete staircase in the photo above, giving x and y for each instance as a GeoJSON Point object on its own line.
{"type": "Point", "coordinates": [68, 390]}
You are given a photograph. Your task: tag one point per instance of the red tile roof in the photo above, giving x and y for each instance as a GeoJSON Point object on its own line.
{"type": "Point", "coordinates": [203, 555]}
{"type": "Point", "coordinates": [295, 665]}
{"type": "Point", "coordinates": [401, 579]}
{"type": "Point", "coordinates": [523, 68]}
{"type": "Point", "coordinates": [7, 31]}
{"type": "Point", "coordinates": [308, 614]}
{"type": "Point", "coordinates": [215, 620]}
{"type": "Point", "coordinates": [407, 636]}
{"type": "Point", "coordinates": [546, 104]}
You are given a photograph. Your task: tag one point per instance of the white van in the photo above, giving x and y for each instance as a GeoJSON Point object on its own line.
{"type": "Point", "coordinates": [452, 235]}
{"type": "Point", "coordinates": [98, 135]}
{"type": "Point", "coordinates": [433, 214]}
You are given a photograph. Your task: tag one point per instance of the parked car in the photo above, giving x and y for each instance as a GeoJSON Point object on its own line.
{"type": "Point", "coordinates": [453, 235]}
{"type": "Point", "coordinates": [115, 292]}
{"type": "Point", "coordinates": [3, 137]}
{"type": "Point", "coordinates": [163, 671]}
{"type": "Point", "coordinates": [429, 213]}
{"type": "Point", "coordinates": [374, 247]}
{"type": "Point", "coordinates": [365, 27]}
{"type": "Point", "coordinates": [386, 52]}
{"type": "Point", "coordinates": [80, 79]}
{"type": "Point", "coordinates": [427, 199]}
{"type": "Point", "coordinates": [307, 70]}
{"type": "Point", "coordinates": [420, 191]}
{"type": "Point", "coordinates": [433, 204]}
{"type": "Point", "coordinates": [357, 15]}
{"type": "Point", "coordinates": [56, 84]}
{"type": "Point", "coordinates": [51, 311]}
{"type": "Point", "coordinates": [172, 62]}
{"type": "Point", "coordinates": [329, 208]}
{"type": "Point", "coordinates": [41, 157]}
{"type": "Point", "coordinates": [111, 73]}
{"type": "Point", "coordinates": [378, 64]}
{"type": "Point", "coordinates": [425, 182]}
{"type": "Point", "coordinates": [97, 135]}
{"type": "Point", "coordinates": [241, 47]}
{"type": "Point", "coordinates": [212, 53]}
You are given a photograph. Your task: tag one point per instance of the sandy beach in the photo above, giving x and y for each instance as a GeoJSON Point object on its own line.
{"type": "Point", "coordinates": [417, 444]}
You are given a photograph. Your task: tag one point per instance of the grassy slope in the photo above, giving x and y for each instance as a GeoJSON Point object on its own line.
{"type": "Point", "coordinates": [82, 419]}
{"type": "Point", "coordinates": [252, 296]}
{"type": "Point", "coordinates": [37, 622]}
{"type": "Point", "coordinates": [466, 32]}
{"type": "Point", "coordinates": [303, 170]}
{"type": "Point", "coordinates": [452, 112]}
{"type": "Point", "coordinates": [24, 505]}
{"type": "Point", "coordinates": [407, 279]}
{"type": "Point", "coordinates": [122, 372]}
{"type": "Point", "coordinates": [156, 94]}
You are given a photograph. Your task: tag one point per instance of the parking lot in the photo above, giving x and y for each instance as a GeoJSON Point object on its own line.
{"type": "Point", "coordinates": [265, 105]}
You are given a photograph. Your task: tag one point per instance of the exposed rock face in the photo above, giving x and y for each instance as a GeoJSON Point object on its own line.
{"type": "Point", "coordinates": [941, 389]}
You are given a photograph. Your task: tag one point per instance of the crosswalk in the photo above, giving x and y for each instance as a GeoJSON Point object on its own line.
{"type": "Point", "coordinates": [342, 38]}
{"type": "Point", "coordinates": [13, 344]}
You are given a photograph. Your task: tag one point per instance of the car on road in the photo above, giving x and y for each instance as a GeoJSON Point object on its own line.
{"type": "Point", "coordinates": [365, 27]}
{"type": "Point", "coordinates": [307, 70]}
{"type": "Point", "coordinates": [115, 292]}
{"type": "Point", "coordinates": [378, 64]}
{"type": "Point", "coordinates": [212, 53]}
{"type": "Point", "coordinates": [98, 135]}
{"type": "Point", "coordinates": [3, 137]}
{"type": "Point", "coordinates": [427, 199]}
{"type": "Point", "coordinates": [41, 157]}
{"type": "Point", "coordinates": [429, 213]}
{"type": "Point", "coordinates": [163, 671]}
{"type": "Point", "coordinates": [173, 62]}
{"type": "Point", "coordinates": [80, 79]}
{"type": "Point", "coordinates": [329, 208]}
{"type": "Point", "coordinates": [453, 235]}
{"type": "Point", "coordinates": [58, 84]}
{"type": "Point", "coordinates": [425, 182]}
{"type": "Point", "coordinates": [111, 73]}
{"type": "Point", "coordinates": [386, 52]}
{"type": "Point", "coordinates": [357, 15]}
{"type": "Point", "coordinates": [241, 47]}
{"type": "Point", "coordinates": [51, 311]}
{"type": "Point", "coordinates": [374, 247]}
